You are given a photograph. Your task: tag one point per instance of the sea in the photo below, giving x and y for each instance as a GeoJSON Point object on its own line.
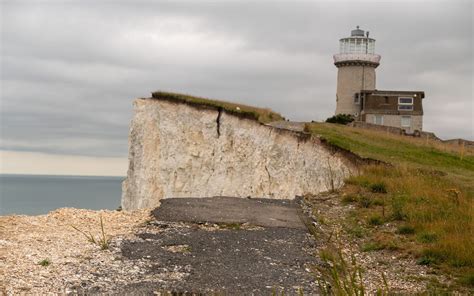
{"type": "Point", "coordinates": [38, 194]}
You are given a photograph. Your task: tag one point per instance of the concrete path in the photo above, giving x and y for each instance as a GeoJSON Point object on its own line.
{"type": "Point", "coordinates": [225, 245]}
{"type": "Point", "coordinates": [258, 211]}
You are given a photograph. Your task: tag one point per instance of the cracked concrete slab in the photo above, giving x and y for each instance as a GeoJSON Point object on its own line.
{"type": "Point", "coordinates": [254, 211]}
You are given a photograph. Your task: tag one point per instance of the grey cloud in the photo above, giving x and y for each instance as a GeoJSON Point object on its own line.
{"type": "Point", "coordinates": [70, 70]}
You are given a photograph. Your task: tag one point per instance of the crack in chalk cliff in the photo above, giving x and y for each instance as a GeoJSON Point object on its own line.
{"type": "Point", "coordinates": [218, 121]}
{"type": "Point", "coordinates": [269, 179]}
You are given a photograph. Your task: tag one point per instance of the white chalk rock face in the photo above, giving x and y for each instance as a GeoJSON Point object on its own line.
{"type": "Point", "coordinates": [178, 150]}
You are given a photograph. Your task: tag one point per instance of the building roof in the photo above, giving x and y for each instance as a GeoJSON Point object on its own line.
{"type": "Point", "coordinates": [393, 92]}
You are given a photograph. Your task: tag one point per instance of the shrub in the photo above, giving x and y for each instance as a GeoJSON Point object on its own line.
{"type": "Point", "coordinates": [434, 254]}
{"type": "Point", "coordinates": [378, 187]}
{"type": "Point", "coordinates": [356, 231]}
{"type": "Point", "coordinates": [365, 201]}
{"type": "Point", "coordinates": [406, 229]}
{"type": "Point", "coordinates": [341, 119]}
{"type": "Point", "coordinates": [44, 262]}
{"type": "Point", "coordinates": [102, 241]}
{"type": "Point", "coordinates": [349, 198]}
{"type": "Point", "coordinates": [398, 211]}
{"type": "Point", "coordinates": [372, 246]}
{"type": "Point", "coordinates": [375, 220]}
{"type": "Point", "coordinates": [468, 279]}
{"type": "Point", "coordinates": [344, 277]}
{"type": "Point", "coordinates": [426, 260]}
{"type": "Point", "coordinates": [430, 256]}
{"type": "Point", "coordinates": [378, 202]}
{"type": "Point", "coordinates": [427, 237]}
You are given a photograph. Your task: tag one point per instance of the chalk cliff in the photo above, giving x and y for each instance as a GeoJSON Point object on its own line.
{"type": "Point", "coordinates": [182, 150]}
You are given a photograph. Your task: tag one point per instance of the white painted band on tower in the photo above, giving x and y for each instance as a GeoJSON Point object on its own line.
{"type": "Point", "coordinates": [363, 57]}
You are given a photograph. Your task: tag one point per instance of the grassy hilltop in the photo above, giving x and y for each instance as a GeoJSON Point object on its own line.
{"type": "Point", "coordinates": [426, 192]}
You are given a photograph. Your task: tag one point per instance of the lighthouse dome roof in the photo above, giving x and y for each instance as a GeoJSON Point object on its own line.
{"type": "Point", "coordinates": [357, 32]}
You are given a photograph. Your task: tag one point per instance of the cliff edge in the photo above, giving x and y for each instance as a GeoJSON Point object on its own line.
{"type": "Point", "coordinates": [193, 147]}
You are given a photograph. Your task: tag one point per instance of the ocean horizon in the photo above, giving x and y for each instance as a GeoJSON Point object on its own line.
{"type": "Point", "coordinates": [25, 194]}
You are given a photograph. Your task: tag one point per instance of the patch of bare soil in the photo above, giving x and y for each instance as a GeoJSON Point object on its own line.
{"type": "Point", "coordinates": [45, 254]}
{"type": "Point", "coordinates": [338, 232]}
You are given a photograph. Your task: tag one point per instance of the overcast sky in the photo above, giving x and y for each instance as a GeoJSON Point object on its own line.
{"type": "Point", "coordinates": [70, 69]}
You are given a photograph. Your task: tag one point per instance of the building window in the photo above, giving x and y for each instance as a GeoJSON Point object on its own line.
{"type": "Point", "coordinates": [405, 121]}
{"type": "Point", "coordinates": [405, 104]}
{"type": "Point", "coordinates": [357, 99]}
{"type": "Point", "coordinates": [405, 101]}
{"type": "Point", "coordinates": [378, 119]}
{"type": "Point", "coordinates": [405, 107]}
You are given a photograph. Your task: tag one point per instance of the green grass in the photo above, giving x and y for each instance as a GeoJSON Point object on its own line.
{"type": "Point", "coordinates": [426, 191]}
{"type": "Point", "coordinates": [401, 150]}
{"type": "Point", "coordinates": [405, 230]}
{"type": "Point", "coordinates": [349, 198]}
{"type": "Point", "coordinates": [344, 277]}
{"type": "Point", "coordinates": [426, 260]}
{"type": "Point", "coordinates": [427, 237]}
{"type": "Point", "coordinates": [372, 246]}
{"type": "Point", "coordinates": [375, 220]}
{"type": "Point", "coordinates": [102, 241]}
{"type": "Point", "coordinates": [365, 201]}
{"type": "Point", "coordinates": [44, 262]}
{"type": "Point", "coordinates": [441, 213]}
{"type": "Point", "coordinates": [467, 280]}
{"type": "Point", "coordinates": [263, 115]}
{"type": "Point", "coordinates": [378, 188]}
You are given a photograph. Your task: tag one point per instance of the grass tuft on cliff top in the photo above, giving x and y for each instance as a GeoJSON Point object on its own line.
{"type": "Point", "coordinates": [263, 115]}
{"type": "Point", "coordinates": [428, 194]}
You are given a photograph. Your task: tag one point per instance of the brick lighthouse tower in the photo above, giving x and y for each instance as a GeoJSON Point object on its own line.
{"type": "Point", "coordinates": [356, 63]}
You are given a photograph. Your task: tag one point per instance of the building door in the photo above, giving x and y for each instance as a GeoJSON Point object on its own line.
{"type": "Point", "coordinates": [378, 119]}
{"type": "Point", "coordinates": [406, 123]}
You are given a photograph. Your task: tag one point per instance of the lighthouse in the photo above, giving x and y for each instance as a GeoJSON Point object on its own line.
{"type": "Point", "coordinates": [356, 93]}
{"type": "Point", "coordinates": [356, 63]}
